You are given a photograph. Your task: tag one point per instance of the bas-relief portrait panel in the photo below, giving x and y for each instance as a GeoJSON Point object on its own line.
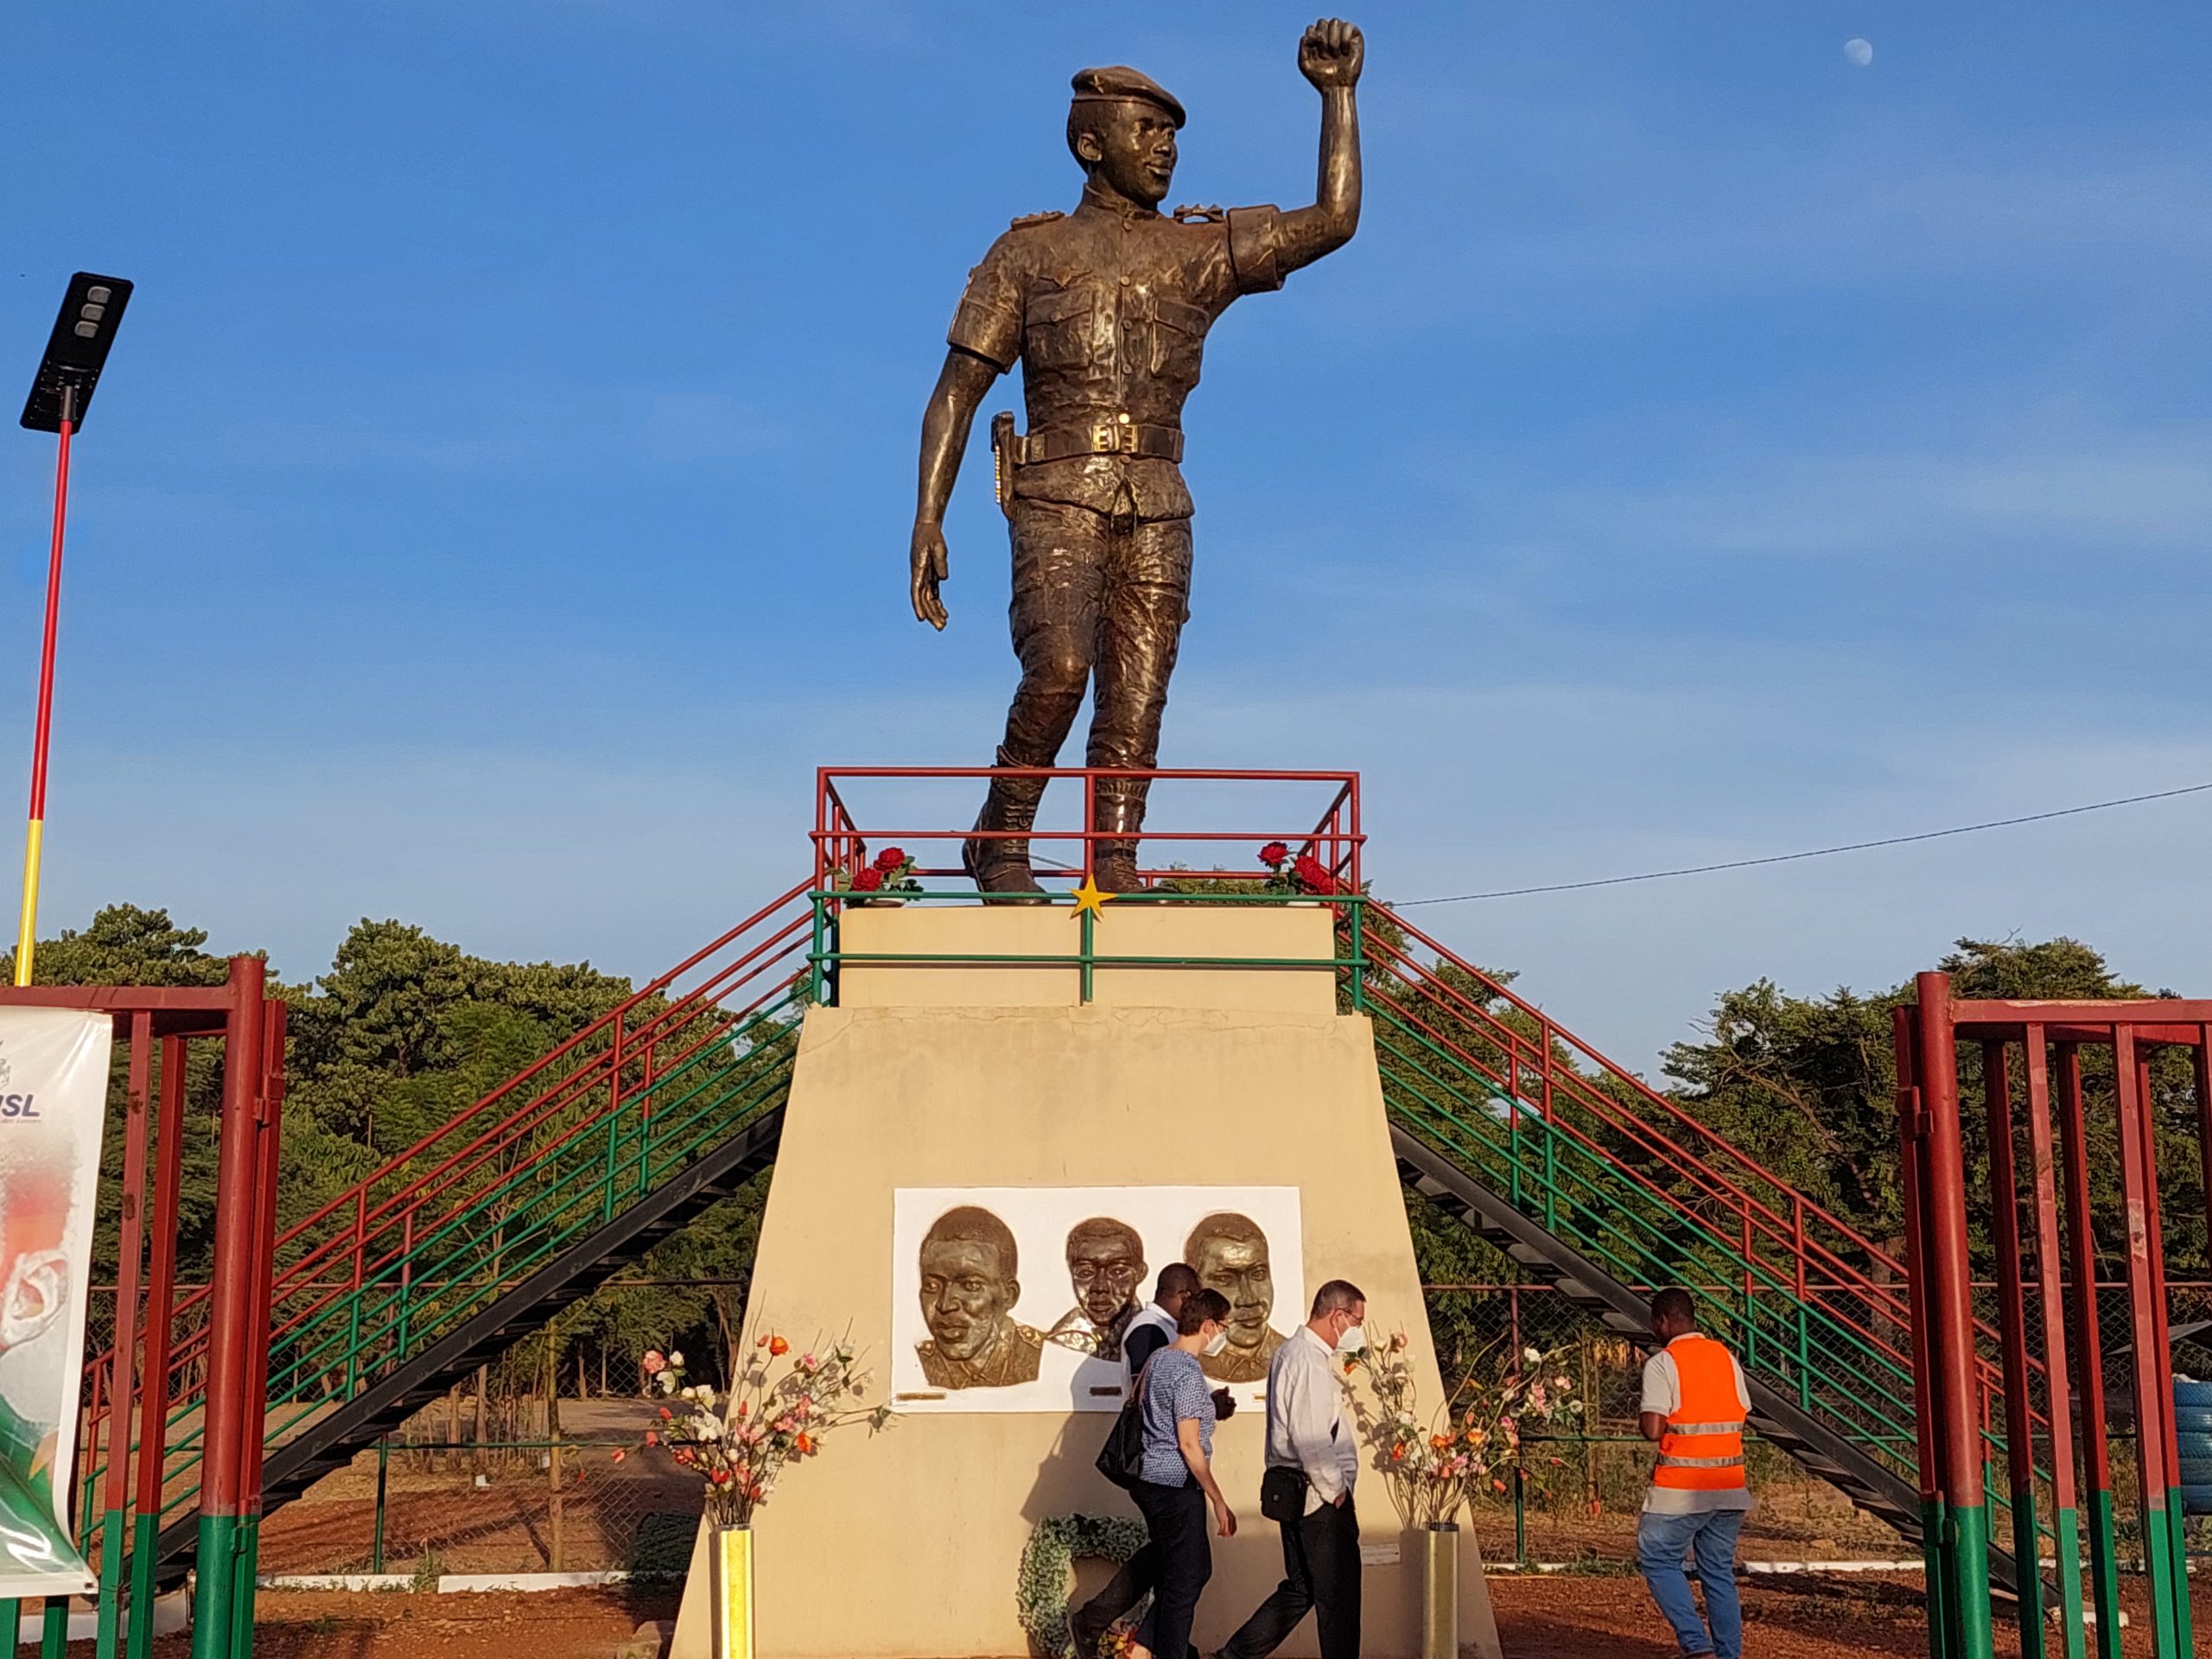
{"type": "Point", "coordinates": [1015, 1298]}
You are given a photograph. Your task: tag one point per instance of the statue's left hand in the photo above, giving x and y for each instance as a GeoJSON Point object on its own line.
{"type": "Point", "coordinates": [1332, 54]}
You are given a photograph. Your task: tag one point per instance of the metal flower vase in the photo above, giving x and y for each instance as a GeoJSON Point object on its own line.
{"type": "Point", "coordinates": [729, 1565]}
{"type": "Point", "coordinates": [1440, 1590]}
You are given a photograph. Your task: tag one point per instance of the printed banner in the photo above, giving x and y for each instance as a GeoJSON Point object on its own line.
{"type": "Point", "coordinates": [53, 1072]}
{"type": "Point", "coordinates": [1014, 1298]}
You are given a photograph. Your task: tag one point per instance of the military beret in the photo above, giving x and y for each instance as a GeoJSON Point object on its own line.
{"type": "Point", "coordinates": [1119, 84]}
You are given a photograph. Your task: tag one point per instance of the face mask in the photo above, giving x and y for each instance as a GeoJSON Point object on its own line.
{"type": "Point", "coordinates": [1353, 1340]}
{"type": "Point", "coordinates": [1216, 1343]}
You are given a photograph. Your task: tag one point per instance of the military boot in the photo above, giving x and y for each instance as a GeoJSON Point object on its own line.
{"type": "Point", "coordinates": [1121, 814]}
{"type": "Point", "coordinates": [999, 866]}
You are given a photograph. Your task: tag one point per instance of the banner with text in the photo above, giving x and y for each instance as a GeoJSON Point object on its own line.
{"type": "Point", "coordinates": [53, 1076]}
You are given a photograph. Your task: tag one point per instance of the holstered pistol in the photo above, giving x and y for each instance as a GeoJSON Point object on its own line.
{"type": "Point", "coordinates": [1003, 443]}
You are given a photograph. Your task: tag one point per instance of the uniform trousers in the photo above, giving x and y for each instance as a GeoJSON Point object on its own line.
{"type": "Point", "coordinates": [1099, 598]}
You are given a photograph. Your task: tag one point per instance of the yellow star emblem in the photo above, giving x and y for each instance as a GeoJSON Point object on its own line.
{"type": "Point", "coordinates": [1090, 897]}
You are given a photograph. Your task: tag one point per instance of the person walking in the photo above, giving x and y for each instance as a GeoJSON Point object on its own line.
{"type": "Point", "coordinates": [1151, 1330]}
{"type": "Point", "coordinates": [1175, 1409]}
{"type": "Point", "coordinates": [1312, 1460]}
{"type": "Point", "coordinates": [1695, 1404]}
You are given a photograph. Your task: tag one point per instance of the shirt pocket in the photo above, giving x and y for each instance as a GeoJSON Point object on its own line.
{"type": "Point", "coordinates": [1179, 333]}
{"type": "Point", "coordinates": [1057, 329]}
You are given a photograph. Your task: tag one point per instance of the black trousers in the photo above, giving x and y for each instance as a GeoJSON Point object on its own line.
{"type": "Point", "coordinates": [1320, 1571]}
{"type": "Point", "coordinates": [1138, 1577]}
{"type": "Point", "coordinates": [1176, 1518]}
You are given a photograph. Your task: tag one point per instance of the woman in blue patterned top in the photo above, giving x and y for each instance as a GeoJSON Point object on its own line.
{"type": "Point", "coordinates": [1175, 1405]}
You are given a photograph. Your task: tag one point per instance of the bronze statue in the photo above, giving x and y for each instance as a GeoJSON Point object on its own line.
{"type": "Point", "coordinates": [1106, 309]}
{"type": "Point", "coordinates": [969, 1290]}
{"type": "Point", "coordinates": [1230, 1254]}
{"type": "Point", "coordinates": [1105, 1268]}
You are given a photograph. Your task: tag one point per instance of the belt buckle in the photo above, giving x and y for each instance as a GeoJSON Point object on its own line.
{"type": "Point", "coordinates": [1116, 437]}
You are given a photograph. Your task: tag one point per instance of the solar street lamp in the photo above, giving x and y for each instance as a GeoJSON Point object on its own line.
{"type": "Point", "coordinates": [59, 396]}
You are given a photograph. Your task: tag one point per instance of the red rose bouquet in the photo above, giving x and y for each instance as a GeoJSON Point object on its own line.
{"type": "Point", "coordinates": [890, 873]}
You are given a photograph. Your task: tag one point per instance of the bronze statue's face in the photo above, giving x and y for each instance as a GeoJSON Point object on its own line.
{"type": "Point", "coordinates": [1133, 146]}
{"type": "Point", "coordinates": [1238, 1268]}
{"type": "Point", "coordinates": [966, 1295]}
{"type": "Point", "coordinates": [1105, 1273]}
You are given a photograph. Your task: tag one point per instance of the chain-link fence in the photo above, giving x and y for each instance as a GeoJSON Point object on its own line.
{"type": "Point", "coordinates": [487, 1479]}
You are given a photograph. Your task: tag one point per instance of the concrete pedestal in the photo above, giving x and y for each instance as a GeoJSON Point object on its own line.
{"type": "Point", "coordinates": [908, 1544]}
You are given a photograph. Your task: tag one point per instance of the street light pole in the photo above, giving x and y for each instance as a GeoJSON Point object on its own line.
{"type": "Point", "coordinates": [34, 834]}
{"type": "Point", "coordinates": [59, 396]}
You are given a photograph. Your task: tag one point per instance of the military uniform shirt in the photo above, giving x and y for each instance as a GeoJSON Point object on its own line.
{"type": "Point", "coordinates": [1107, 310]}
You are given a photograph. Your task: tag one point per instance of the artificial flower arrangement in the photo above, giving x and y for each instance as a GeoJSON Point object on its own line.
{"type": "Point", "coordinates": [777, 1414]}
{"type": "Point", "coordinates": [891, 872]}
{"type": "Point", "coordinates": [1301, 874]}
{"type": "Point", "coordinates": [1434, 1467]}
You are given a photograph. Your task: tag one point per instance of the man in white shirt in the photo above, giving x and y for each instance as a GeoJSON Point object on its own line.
{"type": "Point", "coordinates": [1307, 1432]}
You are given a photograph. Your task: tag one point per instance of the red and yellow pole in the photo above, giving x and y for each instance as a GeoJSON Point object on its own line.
{"type": "Point", "coordinates": [35, 836]}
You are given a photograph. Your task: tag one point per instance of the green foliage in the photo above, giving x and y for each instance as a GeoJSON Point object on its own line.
{"type": "Point", "coordinates": [1806, 1086]}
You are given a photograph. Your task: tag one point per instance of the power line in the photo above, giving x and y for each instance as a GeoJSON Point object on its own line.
{"type": "Point", "coordinates": [1816, 852]}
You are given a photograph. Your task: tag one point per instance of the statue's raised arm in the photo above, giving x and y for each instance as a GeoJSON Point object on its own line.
{"type": "Point", "coordinates": [1330, 55]}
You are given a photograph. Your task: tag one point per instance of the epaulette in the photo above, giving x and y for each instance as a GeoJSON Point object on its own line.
{"type": "Point", "coordinates": [1028, 219]}
{"type": "Point", "coordinates": [1195, 215]}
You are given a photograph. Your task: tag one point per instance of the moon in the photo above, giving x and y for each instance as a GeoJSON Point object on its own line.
{"type": "Point", "coordinates": [1859, 52]}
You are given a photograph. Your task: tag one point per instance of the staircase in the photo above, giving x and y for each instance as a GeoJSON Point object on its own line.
{"type": "Point", "coordinates": [568, 1174]}
{"type": "Point", "coordinates": [532, 1198]}
{"type": "Point", "coordinates": [1598, 1184]}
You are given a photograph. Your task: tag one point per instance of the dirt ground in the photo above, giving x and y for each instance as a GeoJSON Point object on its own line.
{"type": "Point", "coordinates": [1550, 1616]}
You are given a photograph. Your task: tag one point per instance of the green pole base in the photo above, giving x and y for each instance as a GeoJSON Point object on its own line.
{"type": "Point", "coordinates": [1942, 1612]}
{"type": "Point", "coordinates": [1968, 1533]}
{"type": "Point", "coordinates": [138, 1637]}
{"type": "Point", "coordinates": [210, 1603]}
{"type": "Point", "coordinates": [113, 1525]}
{"type": "Point", "coordinates": [248, 1560]}
{"type": "Point", "coordinates": [2104, 1571]}
{"type": "Point", "coordinates": [2066, 1534]}
{"type": "Point", "coordinates": [2027, 1546]}
{"type": "Point", "coordinates": [53, 1633]}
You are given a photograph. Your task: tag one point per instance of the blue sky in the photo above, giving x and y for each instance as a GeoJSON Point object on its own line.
{"type": "Point", "coordinates": [498, 503]}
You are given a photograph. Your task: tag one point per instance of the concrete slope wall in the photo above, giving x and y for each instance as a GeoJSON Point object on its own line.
{"type": "Point", "coordinates": [908, 1544]}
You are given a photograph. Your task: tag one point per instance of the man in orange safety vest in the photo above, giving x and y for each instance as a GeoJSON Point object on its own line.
{"type": "Point", "coordinates": [1695, 1404]}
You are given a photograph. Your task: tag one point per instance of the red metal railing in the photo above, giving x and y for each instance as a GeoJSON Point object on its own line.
{"type": "Point", "coordinates": [1334, 838]}
{"type": "Point", "coordinates": [2048, 1038]}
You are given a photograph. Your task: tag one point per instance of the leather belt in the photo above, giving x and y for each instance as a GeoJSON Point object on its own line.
{"type": "Point", "coordinates": [1115, 435]}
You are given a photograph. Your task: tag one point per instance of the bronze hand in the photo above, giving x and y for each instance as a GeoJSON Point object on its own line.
{"type": "Point", "coordinates": [1332, 54]}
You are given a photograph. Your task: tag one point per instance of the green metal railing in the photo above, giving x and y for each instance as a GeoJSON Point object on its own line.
{"type": "Point", "coordinates": [439, 1233]}
{"type": "Point", "coordinates": [1649, 1197]}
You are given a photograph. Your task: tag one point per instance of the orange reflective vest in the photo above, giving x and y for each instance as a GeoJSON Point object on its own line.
{"type": "Point", "coordinates": [1703, 1448]}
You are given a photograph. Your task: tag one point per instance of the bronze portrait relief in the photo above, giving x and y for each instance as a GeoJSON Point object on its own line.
{"type": "Point", "coordinates": [970, 1285]}
{"type": "Point", "coordinates": [1106, 1271]}
{"type": "Point", "coordinates": [1228, 1253]}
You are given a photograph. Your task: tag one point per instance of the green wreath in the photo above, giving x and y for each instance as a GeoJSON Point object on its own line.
{"type": "Point", "coordinates": [1041, 1594]}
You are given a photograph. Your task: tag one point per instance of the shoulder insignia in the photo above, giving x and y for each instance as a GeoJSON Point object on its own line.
{"type": "Point", "coordinates": [1196, 215]}
{"type": "Point", "coordinates": [1028, 219]}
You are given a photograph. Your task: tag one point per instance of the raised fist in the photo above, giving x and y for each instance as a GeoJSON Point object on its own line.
{"type": "Point", "coordinates": [1331, 53]}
